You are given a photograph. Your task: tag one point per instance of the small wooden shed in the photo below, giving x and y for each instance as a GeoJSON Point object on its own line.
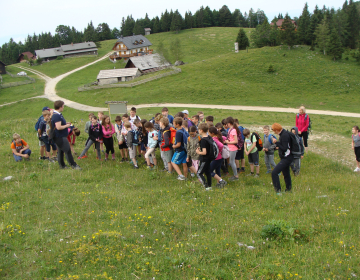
{"type": "Point", "coordinates": [112, 76]}
{"type": "Point", "coordinates": [147, 31]}
{"type": "Point", "coordinates": [21, 57]}
{"type": "Point", "coordinates": [2, 67]}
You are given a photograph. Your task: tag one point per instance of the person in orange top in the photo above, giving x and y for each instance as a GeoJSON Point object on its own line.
{"type": "Point", "coordinates": [20, 148]}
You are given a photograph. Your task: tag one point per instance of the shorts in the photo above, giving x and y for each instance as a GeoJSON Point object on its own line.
{"type": "Point", "coordinates": [167, 155]}
{"type": "Point", "coordinates": [179, 157]}
{"type": "Point", "coordinates": [123, 146]}
{"type": "Point", "coordinates": [41, 143]}
{"type": "Point", "coordinates": [240, 154]}
{"type": "Point", "coordinates": [143, 148]}
{"type": "Point", "coordinates": [254, 158]}
{"type": "Point", "coordinates": [132, 152]}
{"type": "Point", "coordinates": [357, 153]}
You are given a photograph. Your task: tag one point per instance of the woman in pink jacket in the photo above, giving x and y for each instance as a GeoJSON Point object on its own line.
{"type": "Point", "coordinates": [302, 123]}
{"type": "Point", "coordinates": [108, 130]}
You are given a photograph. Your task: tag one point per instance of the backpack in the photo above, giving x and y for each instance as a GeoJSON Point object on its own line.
{"type": "Point", "coordinates": [225, 153]}
{"type": "Point", "coordinates": [214, 149]}
{"type": "Point", "coordinates": [259, 142]}
{"type": "Point", "coordinates": [294, 145]}
{"type": "Point", "coordinates": [135, 137]}
{"type": "Point", "coordinates": [51, 131]}
{"type": "Point", "coordinates": [240, 143]}
{"type": "Point", "coordinates": [18, 148]}
{"type": "Point", "coordinates": [172, 135]}
{"type": "Point", "coordinates": [306, 116]}
{"type": "Point", "coordinates": [242, 134]}
{"type": "Point", "coordinates": [269, 138]}
{"type": "Point", "coordinates": [38, 123]}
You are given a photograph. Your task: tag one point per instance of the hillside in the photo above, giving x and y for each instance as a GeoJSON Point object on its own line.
{"type": "Point", "coordinates": [214, 74]}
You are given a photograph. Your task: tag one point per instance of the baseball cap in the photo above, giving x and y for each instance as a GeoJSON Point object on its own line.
{"type": "Point", "coordinates": [185, 112]}
{"type": "Point", "coordinates": [46, 108]}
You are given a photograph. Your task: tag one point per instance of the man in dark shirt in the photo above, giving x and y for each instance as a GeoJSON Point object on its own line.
{"type": "Point", "coordinates": [203, 151]}
{"type": "Point", "coordinates": [286, 157]}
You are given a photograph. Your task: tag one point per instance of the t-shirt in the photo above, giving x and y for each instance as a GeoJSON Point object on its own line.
{"type": "Point", "coordinates": [179, 138]}
{"type": "Point", "coordinates": [204, 144]}
{"type": "Point", "coordinates": [231, 134]}
{"type": "Point", "coordinates": [132, 119]}
{"type": "Point", "coordinates": [356, 139]}
{"type": "Point", "coordinates": [249, 144]}
{"type": "Point", "coordinates": [57, 117]}
{"type": "Point", "coordinates": [151, 141]}
{"type": "Point", "coordinates": [42, 127]}
{"type": "Point", "coordinates": [18, 146]}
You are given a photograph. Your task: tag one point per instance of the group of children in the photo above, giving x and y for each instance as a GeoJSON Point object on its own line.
{"type": "Point", "coordinates": [195, 144]}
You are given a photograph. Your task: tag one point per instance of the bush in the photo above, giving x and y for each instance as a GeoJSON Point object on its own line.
{"type": "Point", "coordinates": [281, 231]}
{"type": "Point", "coordinates": [271, 69]}
{"type": "Point", "coordinates": [39, 61]}
{"type": "Point", "coordinates": [60, 58]}
{"type": "Point", "coordinates": [31, 62]}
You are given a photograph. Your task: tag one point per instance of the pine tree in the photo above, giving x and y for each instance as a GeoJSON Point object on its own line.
{"type": "Point", "coordinates": [335, 48]}
{"type": "Point", "coordinates": [322, 35]}
{"type": "Point", "coordinates": [242, 40]}
{"type": "Point", "coordinates": [225, 17]}
{"type": "Point", "coordinates": [304, 26]}
{"type": "Point", "coordinates": [287, 33]}
{"type": "Point", "coordinates": [354, 25]}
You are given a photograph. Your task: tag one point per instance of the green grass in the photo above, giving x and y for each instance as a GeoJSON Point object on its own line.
{"type": "Point", "coordinates": [9, 79]}
{"type": "Point", "coordinates": [223, 77]}
{"type": "Point", "coordinates": [24, 91]}
{"type": "Point", "coordinates": [109, 221]}
{"type": "Point", "coordinates": [55, 68]}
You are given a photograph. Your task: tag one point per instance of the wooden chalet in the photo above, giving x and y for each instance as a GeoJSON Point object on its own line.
{"type": "Point", "coordinates": [280, 22]}
{"type": "Point", "coordinates": [147, 63]}
{"type": "Point", "coordinates": [112, 76]}
{"type": "Point", "coordinates": [2, 67]}
{"type": "Point", "coordinates": [21, 57]}
{"type": "Point", "coordinates": [131, 46]}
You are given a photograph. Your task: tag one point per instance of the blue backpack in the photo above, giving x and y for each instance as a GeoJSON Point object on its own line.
{"type": "Point", "coordinates": [269, 138]}
{"type": "Point", "coordinates": [135, 137]}
{"type": "Point", "coordinates": [242, 134]}
{"type": "Point", "coordinates": [41, 118]}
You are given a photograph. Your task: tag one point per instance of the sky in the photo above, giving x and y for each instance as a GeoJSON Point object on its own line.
{"type": "Point", "coordinates": [20, 18]}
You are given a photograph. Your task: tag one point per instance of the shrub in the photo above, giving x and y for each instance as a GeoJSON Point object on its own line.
{"type": "Point", "coordinates": [60, 58]}
{"type": "Point", "coordinates": [39, 61]}
{"type": "Point", "coordinates": [31, 62]}
{"type": "Point", "coordinates": [271, 69]}
{"type": "Point", "coordinates": [281, 231]}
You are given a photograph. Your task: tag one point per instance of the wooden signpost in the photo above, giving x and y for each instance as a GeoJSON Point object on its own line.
{"type": "Point", "coordinates": [117, 107]}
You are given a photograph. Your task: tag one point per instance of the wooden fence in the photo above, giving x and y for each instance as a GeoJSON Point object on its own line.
{"type": "Point", "coordinates": [91, 86]}
{"type": "Point", "coordinates": [15, 84]}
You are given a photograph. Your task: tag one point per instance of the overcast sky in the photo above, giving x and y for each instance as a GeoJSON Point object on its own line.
{"type": "Point", "coordinates": [20, 18]}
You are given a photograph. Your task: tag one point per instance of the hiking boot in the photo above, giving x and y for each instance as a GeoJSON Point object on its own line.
{"type": "Point", "coordinates": [233, 178]}
{"type": "Point", "coordinates": [76, 167]}
{"type": "Point", "coordinates": [181, 178]}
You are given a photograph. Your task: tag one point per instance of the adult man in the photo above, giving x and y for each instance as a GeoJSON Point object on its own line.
{"type": "Point", "coordinates": [165, 113]}
{"type": "Point", "coordinates": [286, 157]}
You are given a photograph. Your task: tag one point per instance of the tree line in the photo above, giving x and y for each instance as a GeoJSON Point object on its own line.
{"type": "Point", "coordinates": [323, 27]}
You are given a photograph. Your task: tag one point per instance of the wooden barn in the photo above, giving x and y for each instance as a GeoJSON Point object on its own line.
{"type": "Point", "coordinates": [147, 63]}
{"type": "Point", "coordinates": [131, 46]}
{"type": "Point", "coordinates": [29, 55]}
{"type": "Point", "coordinates": [2, 67]}
{"type": "Point", "coordinates": [112, 76]}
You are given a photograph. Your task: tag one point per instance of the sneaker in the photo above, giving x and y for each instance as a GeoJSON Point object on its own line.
{"type": "Point", "coordinates": [181, 178]}
{"type": "Point", "coordinates": [84, 157]}
{"type": "Point", "coordinates": [223, 183]}
{"type": "Point", "coordinates": [149, 167]}
{"type": "Point", "coordinates": [163, 170]}
{"type": "Point", "coordinates": [257, 175]}
{"type": "Point", "coordinates": [357, 169]}
{"type": "Point", "coordinates": [267, 172]}
{"type": "Point", "coordinates": [233, 178]}
{"type": "Point", "coordinates": [122, 160]}
{"type": "Point", "coordinates": [169, 172]}
{"type": "Point", "coordinates": [192, 175]}
{"type": "Point", "coordinates": [251, 174]}
{"type": "Point", "coordinates": [226, 174]}
{"type": "Point", "coordinates": [278, 193]}
{"type": "Point", "coordinates": [51, 160]}
{"type": "Point", "coordinates": [64, 167]}
{"type": "Point", "coordinates": [76, 167]}
{"type": "Point", "coordinates": [242, 171]}
{"type": "Point", "coordinates": [139, 156]}
{"type": "Point", "coordinates": [79, 158]}
{"type": "Point", "coordinates": [42, 157]}
{"type": "Point", "coordinates": [208, 188]}
{"type": "Point", "coordinates": [136, 167]}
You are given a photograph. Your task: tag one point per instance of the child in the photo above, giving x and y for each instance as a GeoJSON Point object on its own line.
{"type": "Point", "coordinates": [138, 126]}
{"type": "Point", "coordinates": [252, 152]}
{"type": "Point", "coordinates": [269, 149]}
{"type": "Point", "coordinates": [131, 147]}
{"type": "Point", "coordinates": [44, 137]}
{"type": "Point", "coordinates": [192, 144]}
{"type": "Point", "coordinates": [166, 150]}
{"type": "Point", "coordinates": [203, 151]}
{"type": "Point", "coordinates": [20, 148]}
{"type": "Point", "coordinates": [41, 143]}
{"type": "Point", "coordinates": [209, 120]}
{"type": "Point", "coordinates": [108, 130]}
{"type": "Point", "coordinates": [224, 166]}
{"type": "Point", "coordinates": [95, 136]}
{"type": "Point", "coordinates": [165, 113]}
{"type": "Point", "coordinates": [87, 127]}
{"type": "Point", "coordinates": [195, 120]}
{"type": "Point", "coordinates": [240, 153]}
{"type": "Point", "coordinates": [185, 126]}
{"type": "Point", "coordinates": [356, 146]}
{"type": "Point", "coordinates": [152, 142]}
{"type": "Point", "coordinates": [133, 115]}
{"type": "Point", "coordinates": [296, 164]}
{"type": "Point", "coordinates": [201, 116]}
{"type": "Point", "coordinates": [121, 139]}
{"type": "Point", "coordinates": [73, 133]}
{"type": "Point", "coordinates": [100, 117]}
{"type": "Point", "coordinates": [179, 156]}
{"type": "Point", "coordinates": [217, 163]}
{"type": "Point", "coordinates": [232, 142]}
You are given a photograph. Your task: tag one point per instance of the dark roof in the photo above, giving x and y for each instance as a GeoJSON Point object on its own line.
{"type": "Point", "coordinates": [2, 63]}
{"type": "Point", "coordinates": [280, 22]}
{"type": "Point", "coordinates": [28, 54]}
{"type": "Point", "coordinates": [67, 49]}
{"type": "Point", "coordinates": [78, 46]}
{"type": "Point", "coordinates": [130, 41]}
{"type": "Point", "coordinates": [149, 61]}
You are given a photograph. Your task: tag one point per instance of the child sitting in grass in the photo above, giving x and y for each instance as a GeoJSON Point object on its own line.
{"type": "Point", "coordinates": [20, 148]}
{"type": "Point", "coordinates": [129, 142]}
{"type": "Point", "coordinates": [152, 142]}
{"type": "Point", "coordinates": [252, 152]}
{"type": "Point", "coordinates": [269, 149]}
{"type": "Point", "coordinates": [44, 137]}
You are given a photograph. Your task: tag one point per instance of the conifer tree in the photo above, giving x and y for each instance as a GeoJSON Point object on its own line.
{"type": "Point", "coordinates": [304, 26]}
{"type": "Point", "coordinates": [335, 48]}
{"type": "Point", "coordinates": [322, 35]}
{"type": "Point", "coordinates": [242, 40]}
{"type": "Point", "coordinates": [354, 24]}
{"type": "Point", "coordinates": [287, 33]}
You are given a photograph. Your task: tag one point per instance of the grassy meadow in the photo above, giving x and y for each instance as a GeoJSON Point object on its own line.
{"type": "Point", "coordinates": [214, 74]}
{"type": "Point", "coordinates": [110, 221]}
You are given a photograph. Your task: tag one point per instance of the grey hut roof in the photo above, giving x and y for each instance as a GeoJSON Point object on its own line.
{"type": "Point", "coordinates": [78, 46]}
{"type": "Point", "coordinates": [130, 41]}
{"type": "Point", "coordinates": [117, 73]}
{"type": "Point", "coordinates": [66, 49]}
{"type": "Point", "coordinates": [149, 61]}
{"type": "Point", "coordinates": [45, 53]}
